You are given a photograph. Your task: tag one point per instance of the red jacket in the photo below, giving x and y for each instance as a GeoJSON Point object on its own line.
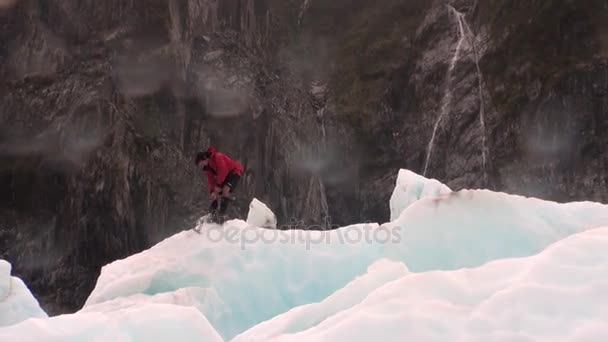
{"type": "Point", "coordinates": [220, 165]}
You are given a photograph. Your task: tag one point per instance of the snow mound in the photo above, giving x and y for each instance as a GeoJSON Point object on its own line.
{"type": "Point", "coordinates": [144, 322]}
{"type": "Point", "coordinates": [16, 301]}
{"type": "Point", "coordinates": [557, 295]}
{"type": "Point", "coordinates": [260, 215]}
{"type": "Point", "coordinates": [410, 187]}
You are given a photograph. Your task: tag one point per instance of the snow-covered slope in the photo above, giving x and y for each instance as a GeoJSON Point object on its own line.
{"type": "Point", "coordinates": [16, 301]}
{"type": "Point", "coordinates": [444, 266]}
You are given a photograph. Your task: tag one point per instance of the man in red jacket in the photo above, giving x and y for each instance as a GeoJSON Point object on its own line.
{"type": "Point", "coordinates": [223, 175]}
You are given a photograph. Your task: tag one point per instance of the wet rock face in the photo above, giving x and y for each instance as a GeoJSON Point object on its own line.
{"type": "Point", "coordinates": [103, 105]}
{"type": "Point", "coordinates": [103, 108]}
{"type": "Point", "coordinates": [559, 139]}
{"type": "Point", "coordinates": [514, 105]}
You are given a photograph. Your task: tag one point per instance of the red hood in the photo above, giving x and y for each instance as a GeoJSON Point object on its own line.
{"type": "Point", "coordinates": [212, 150]}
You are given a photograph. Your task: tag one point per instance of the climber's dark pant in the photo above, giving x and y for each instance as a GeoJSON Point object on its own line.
{"type": "Point", "coordinates": [232, 180]}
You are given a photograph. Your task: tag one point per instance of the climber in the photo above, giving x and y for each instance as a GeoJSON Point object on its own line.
{"type": "Point", "coordinates": [223, 175]}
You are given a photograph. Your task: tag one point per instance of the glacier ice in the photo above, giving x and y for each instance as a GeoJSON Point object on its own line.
{"type": "Point", "coordinates": [557, 295]}
{"type": "Point", "coordinates": [410, 187]}
{"type": "Point", "coordinates": [249, 275]}
{"type": "Point", "coordinates": [244, 275]}
{"type": "Point", "coordinates": [466, 265]}
{"type": "Point", "coordinates": [16, 301]}
{"type": "Point", "coordinates": [260, 215]}
{"type": "Point", "coordinates": [470, 227]}
{"type": "Point", "coordinates": [308, 316]}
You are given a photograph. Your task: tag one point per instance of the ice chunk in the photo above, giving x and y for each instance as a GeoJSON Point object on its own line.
{"type": "Point", "coordinates": [16, 301]}
{"type": "Point", "coordinates": [144, 322]}
{"type": "Point", "coordinates": [410, 187]}
{"type": "Point", "coordinates": [557, 295]}
{"type": "Point", "coordinates": [260, 215]}
{"type": "Point", "coordinates": [470, 227]}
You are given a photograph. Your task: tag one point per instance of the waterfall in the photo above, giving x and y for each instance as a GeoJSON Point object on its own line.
{"type": "Point", "coordinates": [447, 97]}
{"type": "Point", "coordinates": [465, 34]}
{"type": "Point", "coordinates": [303, 9]}
{"type": "Point", "coordinates": [482, 120]}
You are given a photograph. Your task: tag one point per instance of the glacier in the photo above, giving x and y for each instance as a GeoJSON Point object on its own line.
{"type": "Point", "coordinates": [224, 266]}
{"type": "Point", "coordinates": [557, 295]}
{"type": "Point", "coordinates": [16, 301]}
{"type": "Point", "coordinates": [466, 265]}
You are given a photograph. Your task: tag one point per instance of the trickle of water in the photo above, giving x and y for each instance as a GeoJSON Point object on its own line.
{"type": "Point", "coordinates": [447, 96]}
{"type": "Point", "coordinates": [465, 33]}
{"type": "Point", "coordinates": [482, 121]}
{"type": "Point", "coordinates": [303, 9]}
